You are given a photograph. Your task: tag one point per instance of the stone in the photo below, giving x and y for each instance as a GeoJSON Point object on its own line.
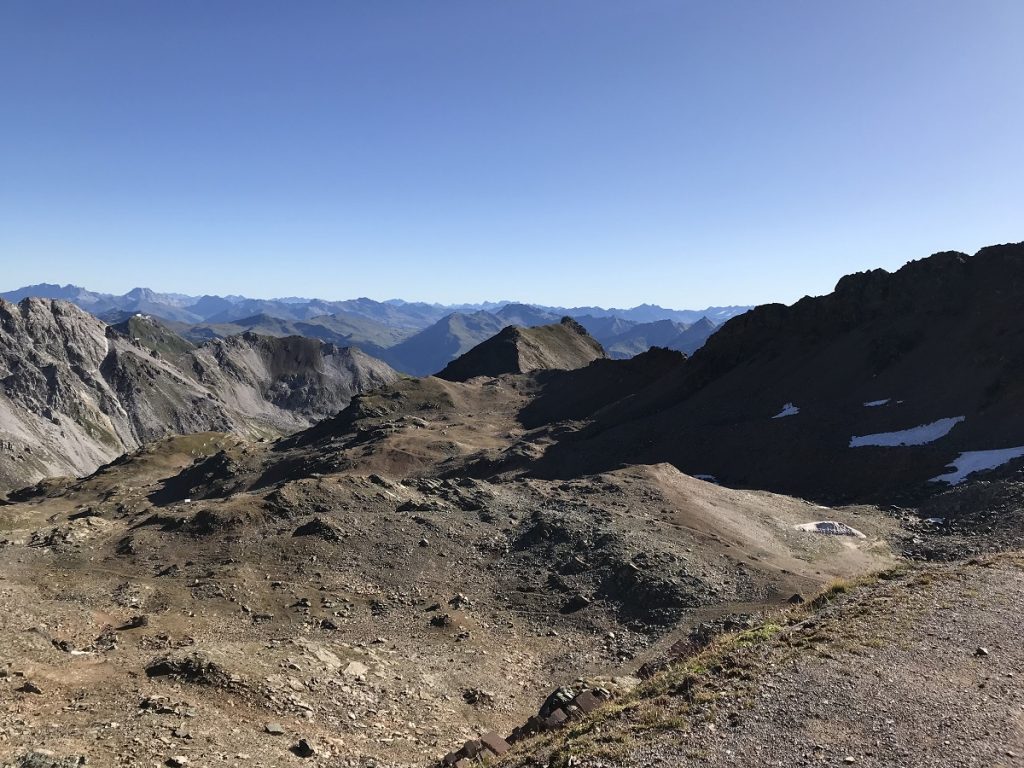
{"type": "Point", "coordinates": [478, 697]}
{"type": "Point", "coordinates": [587, 701]}
{"type": "Point", "coordinates": [304, 749]}
{"type": "Point", "coordinates": [495, 743]}
{"type": "Point", "coordinates": [556, 700]}
{"type": "Point", "coordinates": [556, 719]}
{"type": "Point", "coordinates": [576, 603]}
{"type": "Point", "coordinates": [356, 669]}
{"type": "Point", "coordinates": [274, 729]}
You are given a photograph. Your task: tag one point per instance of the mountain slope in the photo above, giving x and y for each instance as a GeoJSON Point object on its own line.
{"type": "Point", "coordinates": [641, 337]}
{"type": "Point", "coordinates": [776, 398]}
{"type": "Point", "coordinates": [77, 393]}
{"type": "Point", "coordinates": [564, 346]}
{"type": "Point", "coordinates": [343, 329]}
{"type": "Point", "coordinates": [915, 668]}
{"type": "Point", "coordinates": [693, 337]}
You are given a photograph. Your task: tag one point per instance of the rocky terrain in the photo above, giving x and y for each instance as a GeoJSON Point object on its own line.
{"type": "Point", "coordinates": [77, 393]}
{"type": "Point", "coordinates": [919, 667]}
{"type": "Point", "coordinates": [586, 558]}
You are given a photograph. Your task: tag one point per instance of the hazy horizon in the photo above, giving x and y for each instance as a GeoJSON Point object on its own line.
{"type": "Point", "coordinates": [480, 303]}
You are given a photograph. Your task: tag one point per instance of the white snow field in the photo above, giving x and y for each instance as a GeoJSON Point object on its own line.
{"type": "Point", "coordinates": [787, 410]}
{"type": "Point", "coordinates": [977, 461]}
{"type": "Point", "coordinates": [830, 528]}
{"type": "Point", "coordinates": [876, 403]}
{"type": "Point", "coordinates": [922, 435]}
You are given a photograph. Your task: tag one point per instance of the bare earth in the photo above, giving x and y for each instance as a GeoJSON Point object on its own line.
{"type": "Point", "coordinates": [918, 670]}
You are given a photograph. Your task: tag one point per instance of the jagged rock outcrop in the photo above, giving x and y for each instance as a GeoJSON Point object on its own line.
{"type": "Point", "coordinates": [560, 346]}
{"type": "Point", "coordinates": [75, 393]}
{"type": "Point", "coordinates": [867, 392]}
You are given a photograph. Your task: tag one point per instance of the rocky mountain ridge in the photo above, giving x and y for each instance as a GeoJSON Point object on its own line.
{"type": "Point", "coordinates": [77, 393]}
{"type": "Point", "coordinates": [876, 388]}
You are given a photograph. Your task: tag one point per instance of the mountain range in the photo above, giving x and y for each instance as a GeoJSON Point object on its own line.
{"type": "Point", "coordinates": [395, 312]}
{"type": "Point", "coordinates": [413, 337]}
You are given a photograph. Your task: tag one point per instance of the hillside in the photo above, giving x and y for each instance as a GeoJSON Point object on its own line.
{"type": "Point", "coordinates": [839, 397]}
{"type": "Point", "coordinates": [77, 393]}
{"type": "Point", "coordinates": [916, 668]}
{"type": "Point", "coordinates": [223, 601]}
{"type": "Point", "coordinates": [343, 329]}
{"type": "Point", "coordinates": [560, 346]}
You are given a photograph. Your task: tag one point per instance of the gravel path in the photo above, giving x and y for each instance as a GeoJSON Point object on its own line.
{"type": "Point", "coordinates": [924, 669]}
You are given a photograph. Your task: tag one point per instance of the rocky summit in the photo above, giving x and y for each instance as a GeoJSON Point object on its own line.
{"type": "Point", "coordinates": [560, 346]}
{"type": "Point", "coordinates": [791, 547]}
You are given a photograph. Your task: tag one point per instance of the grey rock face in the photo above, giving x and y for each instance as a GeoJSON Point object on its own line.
{"type": "Point", "coordinates": [75, 393]}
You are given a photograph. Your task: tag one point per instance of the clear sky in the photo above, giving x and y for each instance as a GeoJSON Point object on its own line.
{"type": "Point", "coordinates": [555, 151]}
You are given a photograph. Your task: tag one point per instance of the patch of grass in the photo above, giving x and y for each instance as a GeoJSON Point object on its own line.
{"type": "Point", "coordinates": [612, 748]}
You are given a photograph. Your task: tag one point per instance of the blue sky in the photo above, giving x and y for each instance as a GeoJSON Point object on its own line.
{"type": "Point", "coordinates": [566, 152]}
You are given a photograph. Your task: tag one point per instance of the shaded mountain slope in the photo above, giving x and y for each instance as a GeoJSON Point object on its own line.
{"type": "Point", "coordinates": [300, 376]}
{"type": "Point", "coordinates": [564, 346]}
{"type": "Point", "coordinates": [775, 398]}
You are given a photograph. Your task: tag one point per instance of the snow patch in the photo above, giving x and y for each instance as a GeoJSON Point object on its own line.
{"type": "Point", "coordinates": [876, 403]}
{"type": "Point", "coordinates": [977, 461]}
{"type": "Point", "coordinates": [707, 478]}
{"type": "Point", "coordinates": [830, 528]}
{"type": "Point", "coordinates": [787, 410]}
{"type": "Point", "coordinates": [922, 435]}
